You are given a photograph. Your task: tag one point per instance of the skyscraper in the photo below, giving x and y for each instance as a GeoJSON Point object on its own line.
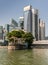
{"type": "Point", "coordinates": [1, 32]}
{"type": "Point", "coordinates": [41, 30]}
{"type": "Point", "coordinates": [14, 23]}
{"type": "Point", "coordinates": [35, 23]}
{"type": "Point", "coordinates": [21, 22]}
{"type": "Point", "coordinates": [7, 28]}
{"type": "Point", "coordinates": [12, 26]}
{"type": "Point", "coordinates": [28, 18]}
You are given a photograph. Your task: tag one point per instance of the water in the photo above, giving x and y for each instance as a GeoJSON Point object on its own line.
{"type": "Point", "coordinates": [24, 57]}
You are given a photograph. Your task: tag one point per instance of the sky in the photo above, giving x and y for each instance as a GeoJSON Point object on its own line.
{"type": "Point", "coordinates": [14, 9]}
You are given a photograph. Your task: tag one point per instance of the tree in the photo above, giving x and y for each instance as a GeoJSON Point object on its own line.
{"type": "Point", "coordinates": [16, 34]}
{"type": "Point", "coordinates": [21, 31]}
{"type": "Point", "coordinates": [9, 35]}
{"type": "Point", "coordinates": [28, 39]}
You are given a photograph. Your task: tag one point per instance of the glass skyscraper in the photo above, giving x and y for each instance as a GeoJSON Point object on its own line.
{"type": "Point", "coordinates": [28, 18]}
{"type": "Point", "coordinates": [31, 21]}
{"type": "Point", "coordinates": [6, 28]}
{"type": "Point", "coordinates": [35, 30]}
{"type": "Point", "coordinates": [14, 23]}
{"type": "Point", "coordinates": [41, 30]}
{"type": "Point", "coordinates": [21, 22]}
{"type": "Point", "coordinates": [12, 26]}
{"type": "Point", "coordinates": [1, 32]}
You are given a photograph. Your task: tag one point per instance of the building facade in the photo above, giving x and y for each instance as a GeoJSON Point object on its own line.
{"type": "Point", "coordinates": [6, 28]}
{"type": "Point", "coordinates": [12, 26]}
{"type": "Point", "coordinates": [14, 23]}
{"type": "Point", "coordinates": [21, 22]}
{"type": "Point", "coordinates": [28, 18]}
{"type": "Point", "coordinates": [41, 30]}
{"type": "Point", "coordinates": [35, 30]}
{"type": "Point", "coordinates": [1, 32]}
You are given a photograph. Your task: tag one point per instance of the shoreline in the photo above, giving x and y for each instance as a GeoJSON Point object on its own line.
{"type": "Point", "coordinates": [3, 47]}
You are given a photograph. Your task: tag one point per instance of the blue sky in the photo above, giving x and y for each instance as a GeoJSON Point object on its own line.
{"type": "Point", "coordinates": [14, 9]}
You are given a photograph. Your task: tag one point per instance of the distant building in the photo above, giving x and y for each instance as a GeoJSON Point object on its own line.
{"type": "Point", "coordinates": [21, 22]}
{"type": "Point", "coordinates": [14, 23]}
{"type": "Point", "coordinates": [1, 32]}
{"type": "Point", "coordinates": [28, 18]}
{"type": "Point", "coordinates": [12, 26]}
{"type": "Point", "coordinates": [41, 30]}
{"type": "Point", "coordinates": [35, 26]}
{"type": "Point", "coordinates": [6, 28]}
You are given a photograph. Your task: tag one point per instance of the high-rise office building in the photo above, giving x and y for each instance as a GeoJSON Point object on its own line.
{"type": "Point", "coordinates": [14, 23]}
{"type": "Point", "coordinates": [21, 22]}
{"type": "Point", "coordinates": [1, 32]}
{"type": "Point", "coordinates": [41, 30]}
{"type": "Point", "coordinates": [35, 23]}
{"type": "Point", "coordinates": [6, 28]}
{"type": "Point", "coordinates": [12, 26]}
{"type": "Point", "coordinates": [28, 18]}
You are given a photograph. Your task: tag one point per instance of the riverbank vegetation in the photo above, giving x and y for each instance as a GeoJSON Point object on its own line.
{"type": "Point", "coordinates": [20, 37]}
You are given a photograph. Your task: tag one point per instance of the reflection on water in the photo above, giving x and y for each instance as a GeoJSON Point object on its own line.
{"type": "Point", "coordinates": [24, 57]}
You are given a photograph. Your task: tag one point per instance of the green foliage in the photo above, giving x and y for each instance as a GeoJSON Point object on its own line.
{"type": "Point", "coordinates": [16, 34]}
{"type": "Point", "coordinates": [11, 40]}
{"type": "Point", "coordinates": [22, 32]}
{"type": "Point", "coordinates": [13, 33]}
{"type": "Point", "coordinates": [9, 35]}
{"type": "Point", "coordinates": [28, 37]}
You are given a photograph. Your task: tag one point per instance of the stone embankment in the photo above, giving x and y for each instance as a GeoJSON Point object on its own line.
{"type": "Point", "coordinates": [3, 47]}
{"type": "Point", "coordinates": [11, 47]}
{"type": "Point", "coordinates": [41, 42]}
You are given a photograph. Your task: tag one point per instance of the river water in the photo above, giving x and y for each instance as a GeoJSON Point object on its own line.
{"type": "Point", "coordinates": [24, 57]}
